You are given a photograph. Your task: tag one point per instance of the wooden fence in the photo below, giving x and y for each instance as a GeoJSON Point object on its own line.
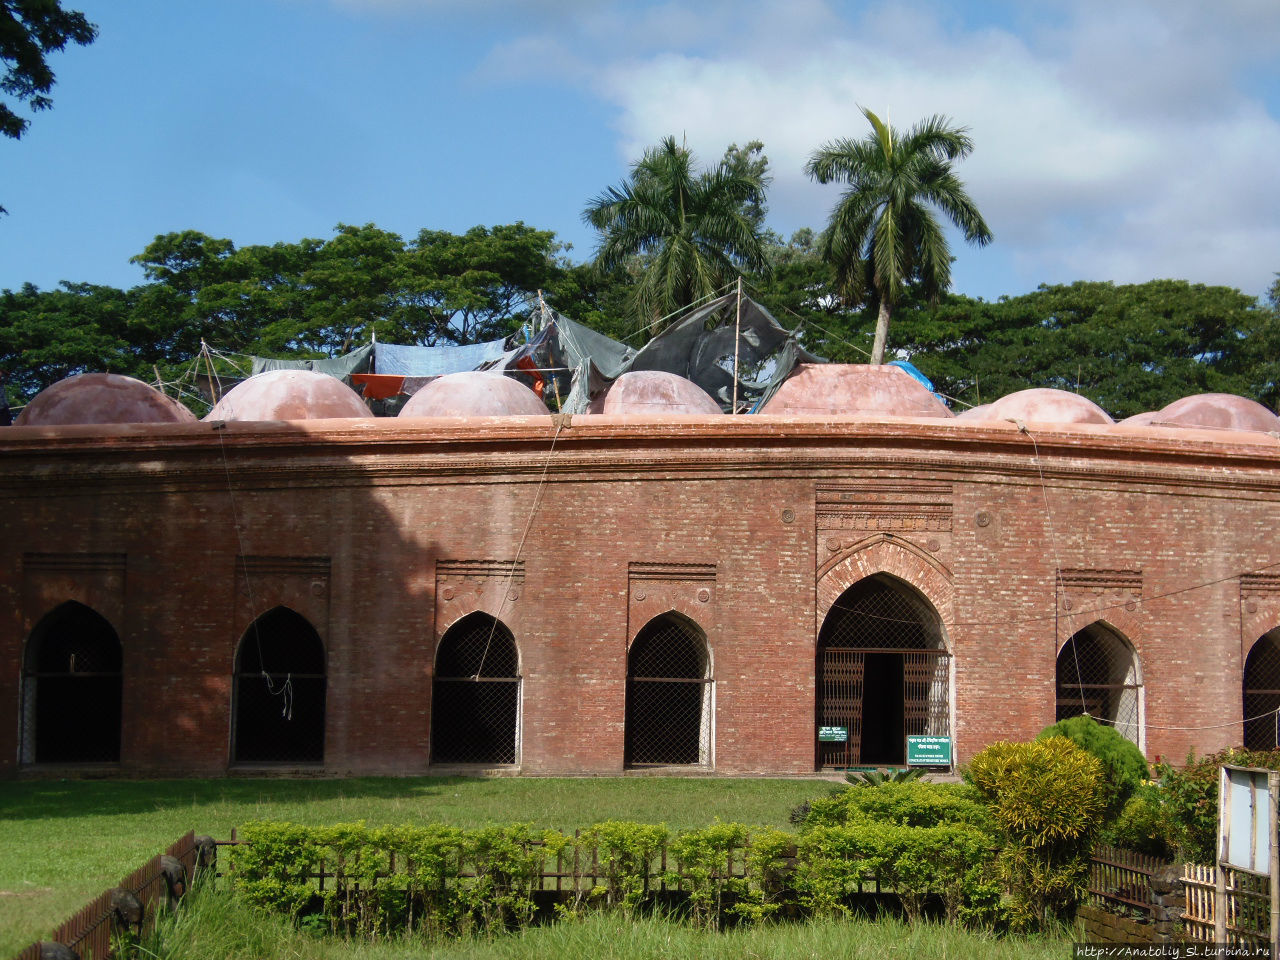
{"type": "Point", "coordinates": [89, 930]}
{"type": "Point", "coordinates": [1120, 880]}
{"type": "Point", "coordinates": [1247, 905]}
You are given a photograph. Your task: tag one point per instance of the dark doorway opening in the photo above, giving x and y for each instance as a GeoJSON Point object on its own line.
{"type": "Point", "coordinates": [668, 718]}
{"type": "Point", "coordinates": [73, 688]}
{"type": "Point", "coordinates": [279, 691]}
{"type": "Point", "coordinates": [883, 737]}
{"type": "Point", "coordinates": [883, 675]}
{"type": "Point", "coordinates": [475, 694]}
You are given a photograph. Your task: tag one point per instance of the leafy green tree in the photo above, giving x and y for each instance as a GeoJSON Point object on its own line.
{"type": "Point", "coordinates": [1128, 348]}
{"type": "Point", "coordinates": [47, 335]}
{"type": "Point", "coordinates": [29, 31]}
{"type": "Point", "coordinates": [692, 230]}
{"type": "Point", "coordinates": [883, 233]}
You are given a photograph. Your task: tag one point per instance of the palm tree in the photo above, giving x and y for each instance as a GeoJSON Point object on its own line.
{"type": "Point", "coordinates": [692, 232]}
{"type": "Point", "coordinates": [883, 232]}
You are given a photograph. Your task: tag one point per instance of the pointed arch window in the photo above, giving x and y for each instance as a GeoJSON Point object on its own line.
{"type": "Point", "coordinates": [669, 695]}
{"type": "Point", "coordinates": [475, 694]}
{"type": "Point", "coordinates": [72, 689]}
{"type": "Point", "coordinates": [279, 691]}
{"type": "Point", "coordinates": [1099, 674]}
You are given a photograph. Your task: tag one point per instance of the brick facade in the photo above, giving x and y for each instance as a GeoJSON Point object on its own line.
{"type": "Point", "coordinates": [576, 533]}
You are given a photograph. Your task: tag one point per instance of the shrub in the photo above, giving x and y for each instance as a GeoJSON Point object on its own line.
{"type": "Point", "coordinates": [1123, 765]}
{"type": "Point", "coordinates": [273, 864]}
{"type": "Point", "coordinates": [627, 851]}
{"type": "Point", "coordinates": [1144, 824]}
{"type": "Point", "coordinates": [702, 859]}
{"type": "Point", "coordinates": [913, 803]}
{"type": "Point", "coordinates": [1047, 798]}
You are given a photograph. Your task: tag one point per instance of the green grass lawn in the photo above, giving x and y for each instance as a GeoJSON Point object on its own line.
{"type": "Point", "coordinates": [216, 926]}
{"type": "Point", "coordinates": [64, 841]}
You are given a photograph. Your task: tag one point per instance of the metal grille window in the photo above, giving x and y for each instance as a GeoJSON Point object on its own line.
{"type": "Point", "coordinates": [1099, 674]}
{"type": "Point", "coordinates": [475, 696]}
{"type": "Point", "coordinates": [279, 691]}
{"type": "Point", "coordinates": [1262, 693]}
{"type": "Point", "coordinates": [669, 691]}
{"type": "Point", "coordinates": [72, 689]}
{"type": "Point", "coordinates": [883, 675]}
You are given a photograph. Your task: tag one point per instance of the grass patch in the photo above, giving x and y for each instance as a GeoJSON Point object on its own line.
{"type": "Point", "coordinates": [215, 925]}
{"type": "Point", "coordinates": [64, 841]}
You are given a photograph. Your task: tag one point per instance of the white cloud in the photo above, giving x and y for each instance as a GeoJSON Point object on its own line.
{"type": "Point", "coordinates": [1116, 141]}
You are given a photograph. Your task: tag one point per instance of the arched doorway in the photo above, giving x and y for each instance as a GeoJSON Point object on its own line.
{"type": "Point", "coordinates": [1099, 674]}
{"type": "Point", "coordinates": [1262, 693]}
{"type": "Point", "coordinates": [72, 689]}
{"type": "Point", "coordinates": [669, 688]}
{"type": "Point", "coordinates": [883, 675]}
{"type": "Point", "coordinates": [279, 691]}
{"type": "Point", "coordinates": [475, 694]}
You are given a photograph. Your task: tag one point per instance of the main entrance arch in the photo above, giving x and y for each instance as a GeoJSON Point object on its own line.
{"type": "Point", "coordinates": [883, 674]}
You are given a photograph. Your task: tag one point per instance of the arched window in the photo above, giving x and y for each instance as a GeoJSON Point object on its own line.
{"type": "Point", "coordinates": [669, 687]}
{"type": "Point", "coordinates": [475, 693]}
{"type": "Point", "coordinates": [1099, 674]}
{"type": "Point", "coordinates": [72, 689]}
{"type": "Point", "coordinates": [883, 675]}
{"type": "Point", "coordinates": [1262, 693]}
{"type": "Point", "coordinates": [279, 691]}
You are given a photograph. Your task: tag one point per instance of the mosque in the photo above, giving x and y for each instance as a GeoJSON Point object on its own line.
{"type": "Point", "coordinates": [852, 576]}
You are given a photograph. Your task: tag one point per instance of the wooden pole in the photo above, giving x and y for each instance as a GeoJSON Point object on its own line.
{"type": "Point", "coordinates": [1273, 868]}
{"type": "Point", "coordinates": [737, 340]}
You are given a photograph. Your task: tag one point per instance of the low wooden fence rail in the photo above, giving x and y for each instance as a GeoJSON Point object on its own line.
{"type": "Point", "coordinates": [131, 906]}
{"type": "Point", "coordinates": [1246, 898]}
{"type": "Point", "coordinates": [1120, 880]}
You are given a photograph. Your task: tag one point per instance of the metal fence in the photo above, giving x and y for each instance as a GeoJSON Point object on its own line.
{"type": "Point", "coordinates": [668, 715]}
{"type": "Point", "coordinates": [1262, 694]}
{"type": "Point", "coordinates": [1098, 675]}
{"type": "Point", "coordinates": [475, 695]}
{"type": "Point", "coordinates": [90, 929]}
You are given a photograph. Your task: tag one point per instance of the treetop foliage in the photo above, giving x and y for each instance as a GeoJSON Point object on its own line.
{"type": "Point", "coordinates": [29, 31]}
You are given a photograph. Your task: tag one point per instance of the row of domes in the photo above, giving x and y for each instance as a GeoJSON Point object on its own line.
{"type": "Point", "coordinates": [812, 390]}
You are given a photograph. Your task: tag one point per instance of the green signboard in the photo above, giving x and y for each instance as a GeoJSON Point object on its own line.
{"type": "Point", "coordinates": [833, 734]}
{"type": "Point", "coordinates": [928, 751]}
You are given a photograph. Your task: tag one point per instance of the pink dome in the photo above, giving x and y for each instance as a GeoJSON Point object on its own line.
{"type": "Point", "coordinates": [849, 389]}
{"type": "Point", "coordinates": [475, 393]}
{"type": "Point", "coordinates": [981, 412]}
{"type": "Point", "coordinates": [101, 398]}
{"type": "Point", "coordinates": [1045, 405]}
{"type": "Point", "coordinates": [289, 395]}
{"type": "Point", "coordinates": [652, 391]}
{"type": "Point", "coordinates": [1222, 410]}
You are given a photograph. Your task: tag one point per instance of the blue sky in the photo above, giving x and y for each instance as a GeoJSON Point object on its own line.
{"type": "Point", "coordinates": [1122, 140]}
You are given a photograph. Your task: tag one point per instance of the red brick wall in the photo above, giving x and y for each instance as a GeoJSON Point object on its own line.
{"type": "Point", "coordinates": [751, 527]}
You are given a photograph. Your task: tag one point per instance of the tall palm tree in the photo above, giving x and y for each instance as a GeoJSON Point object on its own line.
{"type": "Point", "coordinates": [692, 231]}
{"type": "Point", "coordinates": [883, 232]}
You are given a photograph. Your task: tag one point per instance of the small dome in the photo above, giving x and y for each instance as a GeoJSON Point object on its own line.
{"type": "Point", "coordinates": [1045, 405]}
{"type": "Point", "coordinates": [475, 393]}
{"type": "Point", "coordinates": [289, 395]}
{"type": "Point", "coordinates": [850, 389]}
{"type": "Point", "coordinates": [101, 398]}
{"type": "Point", "coordinates": [981, 412]}
{"type": "Point", "coordinates": [1222, 410]}
{"type": "Point", "coordinates": [655, 392]}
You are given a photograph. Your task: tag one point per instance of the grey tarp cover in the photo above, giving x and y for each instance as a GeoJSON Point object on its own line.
{"type": "Point", "coordinates": [699, 347]}
{"type": "Point", "coordinates": [357, 361]}
{"type": "Point", "coordinates": [413, 361]}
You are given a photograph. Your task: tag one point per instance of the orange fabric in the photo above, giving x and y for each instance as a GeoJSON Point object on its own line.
{"type": "Point", "coordinates": [379, 386]}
